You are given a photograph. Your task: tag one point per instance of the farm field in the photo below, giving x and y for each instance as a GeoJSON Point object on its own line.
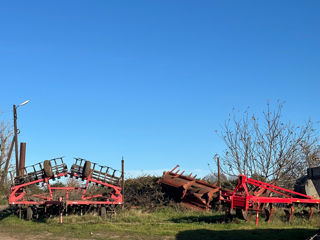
{"type": "Point", "coordinates": [165, 223]}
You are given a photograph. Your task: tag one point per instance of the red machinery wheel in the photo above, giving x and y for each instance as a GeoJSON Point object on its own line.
{"type": "Point", "coordinates": [47, 168]}
{"type": "Point", "coordinates": [242, 214]}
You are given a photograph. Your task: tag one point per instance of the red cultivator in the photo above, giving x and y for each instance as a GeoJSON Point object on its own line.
{"type": "Point", "coordinates": [249, 196]}
{"type": "Point", "coordinates": [59, 199]}
{"type": "Point", "coordinates": [243, 200]}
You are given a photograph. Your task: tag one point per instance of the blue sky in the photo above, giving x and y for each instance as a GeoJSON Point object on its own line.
{"type": "Point", "coordinates": [152, 80]}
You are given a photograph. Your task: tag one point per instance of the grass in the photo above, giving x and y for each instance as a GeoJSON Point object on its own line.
{"type": "Point", "coordinates": [165, 223]}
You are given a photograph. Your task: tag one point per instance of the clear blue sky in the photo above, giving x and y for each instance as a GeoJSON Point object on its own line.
{"type": "Point", "coordinates": [152, 80]}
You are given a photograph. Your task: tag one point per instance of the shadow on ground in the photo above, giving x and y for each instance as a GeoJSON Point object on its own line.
{"type": "Point", "coordinates": [5, 212]}
{"type": "Point", "coordinates": [255, 234]}
{"type": "Point", "coordinates": [198, 219]}
{"type": "Point", "coordinates": [9, 211]}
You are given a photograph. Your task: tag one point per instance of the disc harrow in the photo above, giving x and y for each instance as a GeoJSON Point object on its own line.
{"type": "Point", "coordinates": [59, 199]}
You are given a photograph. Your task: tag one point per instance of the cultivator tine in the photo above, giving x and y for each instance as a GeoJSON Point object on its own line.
{"type": "Point", "coordinates": [174, 168]}
{"type": "Point", "coordinates": [271, 213]}
{"type": "Point", "coordinates": [311, 213]}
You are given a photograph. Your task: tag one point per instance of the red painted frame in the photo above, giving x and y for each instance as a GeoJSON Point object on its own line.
{"type": "Point", "coordinates": [242, 199]}
{"type": "Point", "coordinates": [17, 193]}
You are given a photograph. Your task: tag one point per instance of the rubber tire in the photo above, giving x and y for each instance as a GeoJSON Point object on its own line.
{"type": "Point", "coordinates": [103, 212]}
{"type": "Point", "coordinates": [47, 168]}
{"type": "Point", "coordinates": [86, 169]}
{"type": "Point", "coordinates": [29, 213]}
{"type": "Point", "coordinates": [242, 214]}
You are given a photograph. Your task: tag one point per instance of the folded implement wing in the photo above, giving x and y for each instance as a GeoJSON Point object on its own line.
{"type": "Point", "coordinates": [192, 192]}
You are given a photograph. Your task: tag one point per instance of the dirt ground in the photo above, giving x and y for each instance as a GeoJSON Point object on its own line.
{"type": "Point", "coordinates": [6, 236]}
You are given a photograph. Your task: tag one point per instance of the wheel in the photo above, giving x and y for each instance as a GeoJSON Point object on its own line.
{"type": "Point", "coordinates": [86, 169]}
{"type": "Point", "coordinates": [242, 214]}
{"type": "Point", "coordinates": [73, 168]}
{"type": "Point", "coordinates": [268, 211]}
{"type": "Point", "coordinates": [103, 212]}
{"type": "Point", "coordinates": [29, 213]}
{"type": "Point", "coordinates": [47, 168]}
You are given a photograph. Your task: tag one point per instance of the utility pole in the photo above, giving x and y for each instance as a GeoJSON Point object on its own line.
{"type": "Point", "coordinates": [16, 134]}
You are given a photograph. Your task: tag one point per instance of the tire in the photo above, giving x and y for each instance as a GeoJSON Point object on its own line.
{"type": "Point", "coordinates": [47, 168]}
{"type": "Point", "coordinates": [86, 169]}
{"type": "Point", "coordinates": [103, 212]}
{"type": "Point", "coordinates": [29, 213]}
{"type": "Point", "coordinates": [242, 214]}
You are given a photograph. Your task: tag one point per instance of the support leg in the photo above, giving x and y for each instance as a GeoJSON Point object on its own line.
{"type": "Point", "coordinates": [271, 213]}
{"type": "Point", "coordinates": [311, 213]}
{"type": "Point", "coordinates": [291, 214]}
{"type": "Point", "coordinates": [257, 217]}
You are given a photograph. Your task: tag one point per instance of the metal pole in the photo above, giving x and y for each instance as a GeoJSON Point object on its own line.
{"type": "Point", "coordinates": [22, 158]}
{"type": "Point", "coordinates": [219, 180]}
{"type": "Point", "coordinates": [122, 180]}
{"type": "Point", "coordinates": [16, 138]}
{"type": "Point", "coordinates": [219, 183]}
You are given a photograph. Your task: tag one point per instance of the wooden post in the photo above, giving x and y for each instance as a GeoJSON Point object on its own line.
{"type": "Point", "coordinates": [219, 180]}
{"type": "Point", "coordinates": [122, 181]}
{"type": "Point", "coordinates": [219, 183]}
{"type": "Point", "coordinates": [22, 158]}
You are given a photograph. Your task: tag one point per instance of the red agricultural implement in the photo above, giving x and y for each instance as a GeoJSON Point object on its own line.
{"type": "Point", "coordinates": [242, 200]}
{"type": "Point", "coordinates": [192, 192]}
{"type": "Point", "coordinates": [100, 190]}
{"type": "Point", "coordinates": [249, 196]}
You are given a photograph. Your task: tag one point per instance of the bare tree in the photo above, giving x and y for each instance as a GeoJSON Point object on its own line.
{"type": "Point", "coordinates": [268, 147]}
{"type": "Point", "coordinates": [5, 146]}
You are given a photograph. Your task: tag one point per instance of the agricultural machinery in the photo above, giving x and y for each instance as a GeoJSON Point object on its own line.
{"type": "Point", "coordinates": [91, 187]}
{"type": "Point", "coordinates": [249, 196]}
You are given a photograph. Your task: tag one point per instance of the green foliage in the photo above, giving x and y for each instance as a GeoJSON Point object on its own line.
{"type": "Point", "coordinates": [144, 192]}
